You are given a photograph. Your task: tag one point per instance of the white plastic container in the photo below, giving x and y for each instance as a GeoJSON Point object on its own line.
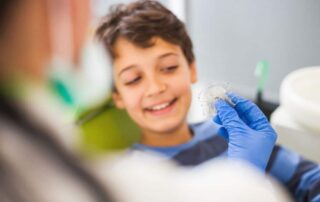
{"type": "Point", "coordinates": [300, 97]}
{"type": "Point", "coordinates": [297, 120]}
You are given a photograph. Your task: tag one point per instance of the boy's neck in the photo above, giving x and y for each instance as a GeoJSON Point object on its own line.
{"type": "Point", "coordinates": [171, 138]}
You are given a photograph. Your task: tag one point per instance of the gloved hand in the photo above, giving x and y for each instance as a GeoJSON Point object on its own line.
{"type": "Point", "coordinates": [249, 134]}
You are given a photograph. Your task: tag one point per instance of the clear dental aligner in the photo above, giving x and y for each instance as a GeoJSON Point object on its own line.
{"type": "Point", "coordinates": [210, 95]}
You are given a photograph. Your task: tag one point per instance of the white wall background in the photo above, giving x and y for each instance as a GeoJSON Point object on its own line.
{"type": "Point", "coordinates": [231, 36]}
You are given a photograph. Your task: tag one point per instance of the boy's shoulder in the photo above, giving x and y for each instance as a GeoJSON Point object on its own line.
{"type": "Point", "coordinates": [207, 145]}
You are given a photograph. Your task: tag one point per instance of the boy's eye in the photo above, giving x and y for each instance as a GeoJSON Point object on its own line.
{"type": "Point", "coordinates": [169, 69]}
{"type": "Point", "coordinates": [133, 81]}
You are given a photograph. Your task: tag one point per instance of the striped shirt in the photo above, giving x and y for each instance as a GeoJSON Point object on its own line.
{"type": "Point", "coordinates": [300, 176]}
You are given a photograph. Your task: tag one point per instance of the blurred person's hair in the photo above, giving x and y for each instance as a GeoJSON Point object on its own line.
{"type": "Point", "coordinates": [141, 21]}
{"type": "Point", "coordinates": [5, 8]}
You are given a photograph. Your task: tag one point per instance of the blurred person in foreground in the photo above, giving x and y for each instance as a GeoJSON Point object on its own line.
{"type": "Point", "coordinates": [37, 159]}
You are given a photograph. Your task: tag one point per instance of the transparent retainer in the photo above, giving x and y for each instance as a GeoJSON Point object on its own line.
{"type": "Point", "coordinates": [211, 94]}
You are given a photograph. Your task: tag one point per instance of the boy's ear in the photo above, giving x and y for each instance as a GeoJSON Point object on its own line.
{"type": "Point", "coordinates": [118, 100]}
{"type": "Point", "coordinates": [193, 72]}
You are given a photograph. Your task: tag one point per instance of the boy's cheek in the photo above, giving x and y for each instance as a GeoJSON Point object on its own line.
{"type": "Point", "coordinates": [132, 99]}
{"type": "Point", "coordinates": [181, 87]}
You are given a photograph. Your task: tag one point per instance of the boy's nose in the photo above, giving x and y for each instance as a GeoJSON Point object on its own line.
{"type": "Point", "coordinates": [155, 86]}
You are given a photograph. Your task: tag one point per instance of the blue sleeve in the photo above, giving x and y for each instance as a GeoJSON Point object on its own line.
{"type": "Point", "coordinates": [300, 176]}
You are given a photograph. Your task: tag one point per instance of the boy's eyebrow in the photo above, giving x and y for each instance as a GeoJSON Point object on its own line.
{"type": "Point", "coordinates": [126, 68]}
{"type": "Point", "coordinates": [166, 55]}
{"type": "Point", "coordinates": [132, 66]}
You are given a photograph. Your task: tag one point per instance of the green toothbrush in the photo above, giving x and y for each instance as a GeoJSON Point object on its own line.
{"type": "Point", "coordinates": [261, 72]}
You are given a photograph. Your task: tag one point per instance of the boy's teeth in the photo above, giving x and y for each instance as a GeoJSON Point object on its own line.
{"type": "Point", "coordinates": [159, 107]}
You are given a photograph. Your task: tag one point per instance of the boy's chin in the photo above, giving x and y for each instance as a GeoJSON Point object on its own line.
{"type": "Point", "coordinates": [166, 127]}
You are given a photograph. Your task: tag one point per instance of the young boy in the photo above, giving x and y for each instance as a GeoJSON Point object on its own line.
{"type": "Point", "coordinates": [153, 69]}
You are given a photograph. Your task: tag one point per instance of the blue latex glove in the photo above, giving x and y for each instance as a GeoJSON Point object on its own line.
{"type": "Point", "coordinates": [249, 134]}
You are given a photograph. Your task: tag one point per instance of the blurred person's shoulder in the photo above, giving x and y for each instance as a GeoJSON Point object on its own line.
{"type": "Point", "coordinates": [33, 155]}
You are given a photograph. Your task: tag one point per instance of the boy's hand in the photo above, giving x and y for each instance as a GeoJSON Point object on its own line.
{"type": "Point", "coordinates": [249, 134]}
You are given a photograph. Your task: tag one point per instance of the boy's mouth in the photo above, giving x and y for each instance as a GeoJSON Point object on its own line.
{"type": "Point", "coordinates": [163, 107]}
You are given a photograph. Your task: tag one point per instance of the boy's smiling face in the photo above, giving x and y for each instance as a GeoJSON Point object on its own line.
{"type": "Point", "coordinates": [153, 84]}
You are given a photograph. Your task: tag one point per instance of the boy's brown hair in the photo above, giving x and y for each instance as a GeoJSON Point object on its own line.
{"type": "Point", "coordinates": [141, 21]}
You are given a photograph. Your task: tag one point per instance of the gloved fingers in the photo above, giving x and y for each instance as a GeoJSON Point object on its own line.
{"type": "Point", "coordinates": [217, 119]}
{"type": "Point", "coordinates": [221, 130]}
{"type": "Point", "coordinates": [228, 116]}
{"type": "Point", "coordinates": [249, 112]}
{"type": "Point", "coordinates": [223, 133]}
